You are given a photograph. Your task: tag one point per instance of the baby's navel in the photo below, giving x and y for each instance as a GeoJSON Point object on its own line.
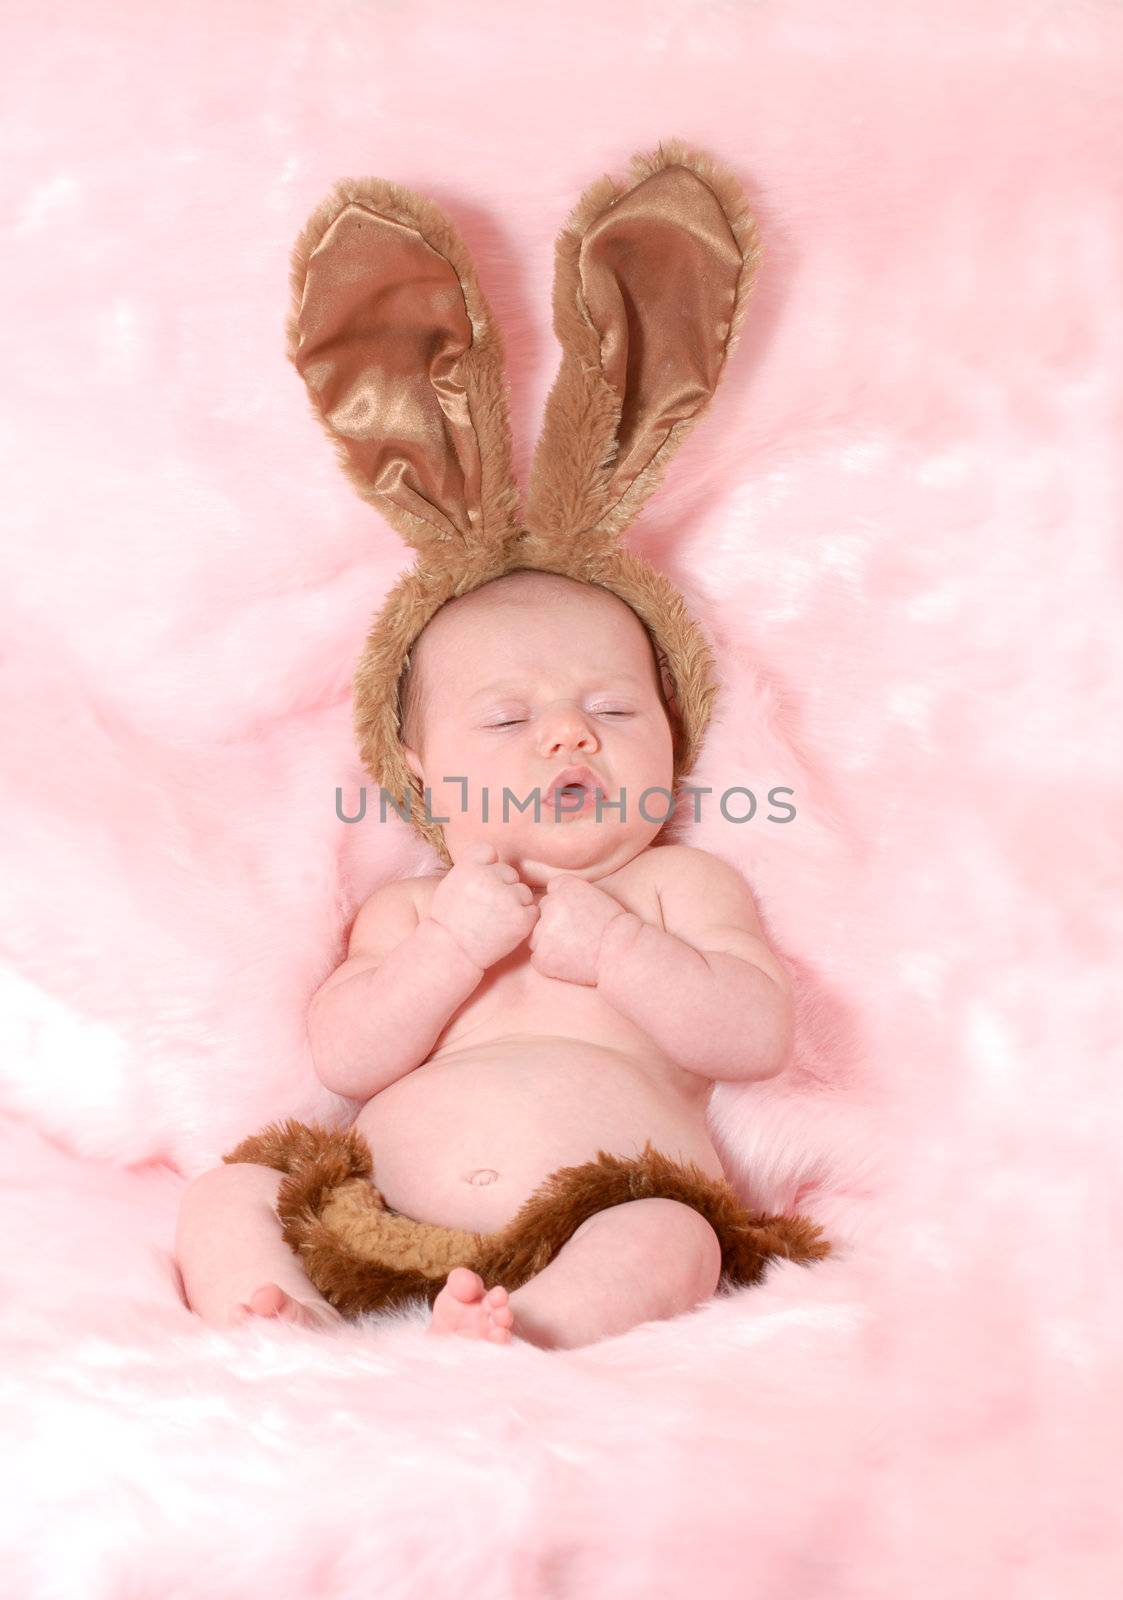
{"type": "Point", "coordinates": [483, 1175]}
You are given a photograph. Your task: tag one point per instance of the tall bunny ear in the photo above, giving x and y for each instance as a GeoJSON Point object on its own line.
{"type": "Point", "coordinates": [403, 364]}
{"type": "Point", "coordinates": [651, 281]}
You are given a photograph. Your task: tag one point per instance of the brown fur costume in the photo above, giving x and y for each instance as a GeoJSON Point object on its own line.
{"type": "Point", "coordinates": [364, 1256]}
{"type": "Point", "coordinates": [403, 365]}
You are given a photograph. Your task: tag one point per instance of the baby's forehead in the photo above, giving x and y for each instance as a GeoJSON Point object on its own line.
{"type": "Point", "coordinates": [542, 596]}
{"type": "Point", "coordinates": [520, 616]}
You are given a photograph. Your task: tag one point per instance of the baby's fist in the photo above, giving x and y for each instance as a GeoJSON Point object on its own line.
{"type": "Point", "coordinates": [572, 917]}
{"type": "Point", "coordinates": [483, 903]}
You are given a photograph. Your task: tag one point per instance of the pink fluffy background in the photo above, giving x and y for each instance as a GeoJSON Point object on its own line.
{"type": "Point", "coordinates": [899, 524]}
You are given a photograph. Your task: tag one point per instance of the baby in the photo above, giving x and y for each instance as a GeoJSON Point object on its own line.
{"type": "Point", "coordinates": [569, 985]}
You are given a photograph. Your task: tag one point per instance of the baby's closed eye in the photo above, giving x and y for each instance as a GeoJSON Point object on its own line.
{"type": "Point", "coordinates": [513, 722]}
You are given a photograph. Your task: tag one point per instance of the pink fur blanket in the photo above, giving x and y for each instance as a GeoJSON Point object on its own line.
{"type": "Point", "coordinates": [899, 524]}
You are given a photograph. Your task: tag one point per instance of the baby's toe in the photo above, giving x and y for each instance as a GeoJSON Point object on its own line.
{"type": "Point", "coordinates": [270, 1300]}
{"type": "Point", "coordinates": [464, 1284]}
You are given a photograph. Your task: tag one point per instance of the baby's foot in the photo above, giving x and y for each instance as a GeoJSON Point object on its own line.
{"type": "Point", "coordinates": [272, 1301]}
{"type": "Point", "coordinates": [463, 1307]}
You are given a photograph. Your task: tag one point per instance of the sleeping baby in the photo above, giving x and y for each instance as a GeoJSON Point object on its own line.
{"type": "Point", "coordinates": [571, 984]}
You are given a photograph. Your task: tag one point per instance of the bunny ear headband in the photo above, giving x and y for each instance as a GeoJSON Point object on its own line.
{"type": "Point", "coordinates": [404, 368]}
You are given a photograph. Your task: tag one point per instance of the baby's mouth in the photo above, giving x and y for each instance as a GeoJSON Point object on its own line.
{"type": "Point", "coordinates": [579, 800]}
{"type": "Point", "coordinates": [574, 794]}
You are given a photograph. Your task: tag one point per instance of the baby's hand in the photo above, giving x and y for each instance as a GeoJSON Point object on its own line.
{"type": "Point", "coordinates": [484, 905]}
{"type": "Point", "coordinates": [567, 937]}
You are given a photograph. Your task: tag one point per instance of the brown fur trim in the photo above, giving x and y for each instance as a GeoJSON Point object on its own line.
{"type": "Point", "coordinates": [362, 1256]}
{"type": "Point", "coordinates": [290, 1146]}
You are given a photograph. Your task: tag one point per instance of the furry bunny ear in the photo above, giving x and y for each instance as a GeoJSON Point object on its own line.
{"type": "Point", "coordinates": [403, 364]}
{"type": "Point", "coordinates": [651, 281]}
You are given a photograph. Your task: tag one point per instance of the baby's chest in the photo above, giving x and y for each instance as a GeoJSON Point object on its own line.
{"type": "Point", "coordinates": [514, 987]}
{"type": "Point", "coordinates": [515, 997]}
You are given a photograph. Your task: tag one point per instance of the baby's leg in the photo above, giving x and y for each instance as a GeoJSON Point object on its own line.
{"type": "Point", "coordinates": [639, 1261]}
{"type": "Point", "coordinates": [232, 1254]}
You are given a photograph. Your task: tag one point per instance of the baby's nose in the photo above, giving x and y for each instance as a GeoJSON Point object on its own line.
{"type": "Point", "coordinates": [564, 723]}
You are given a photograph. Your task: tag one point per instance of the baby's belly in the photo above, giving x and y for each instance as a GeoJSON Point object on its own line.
{"type": "Point", "coordinates": [464, 1139]}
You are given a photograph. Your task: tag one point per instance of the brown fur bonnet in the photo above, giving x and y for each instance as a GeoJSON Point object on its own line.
{"type": "Point", "coordinates": [404, 368]}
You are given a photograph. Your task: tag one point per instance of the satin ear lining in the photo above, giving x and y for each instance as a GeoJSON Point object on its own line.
{"type": "Point", "coordinates": [388, 347]}
{"type": "Point", "coordinates": [659, 273]}
{"type": "Point", "coordinates": [652, 276]}
{"type": "Point", "coordinates": [403, 364]}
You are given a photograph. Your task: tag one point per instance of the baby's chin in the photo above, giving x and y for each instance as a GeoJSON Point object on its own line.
{"type": "Point", "coordinates": [585, 848]}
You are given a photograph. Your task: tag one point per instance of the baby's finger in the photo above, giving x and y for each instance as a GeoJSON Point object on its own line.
{"type": "Point", "coordinates": [525, 893]}
{"type": "Point", "coordinates": [480, 851]}
{"type": "Point", "coordinates": [507, 872]}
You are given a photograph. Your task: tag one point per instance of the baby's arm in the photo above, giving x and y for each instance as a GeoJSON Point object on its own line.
{"type": "Point", "coordinates": [380, 1013]}
{"type": "Point", "coordinates": [373, 1020]}
{"type": "Point", "coordinates": [709, 991]}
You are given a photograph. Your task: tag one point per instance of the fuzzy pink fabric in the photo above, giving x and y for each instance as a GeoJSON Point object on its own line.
{"type": "Point", "coordinates": [899, 523]}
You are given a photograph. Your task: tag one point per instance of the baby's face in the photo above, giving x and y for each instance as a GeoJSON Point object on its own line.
{"type": "Point", "coordinates": [522, 679]}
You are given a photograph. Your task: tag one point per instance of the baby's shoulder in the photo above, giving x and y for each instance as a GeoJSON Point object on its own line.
{"type": "Point", "coordinates": [385, 918]}
{"type": "Point", "coordinates": [685, 865]}
{"type": "Point", "coordinates": [688, 881]}
{"type": "Point", "coordinates": [702, 897]}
